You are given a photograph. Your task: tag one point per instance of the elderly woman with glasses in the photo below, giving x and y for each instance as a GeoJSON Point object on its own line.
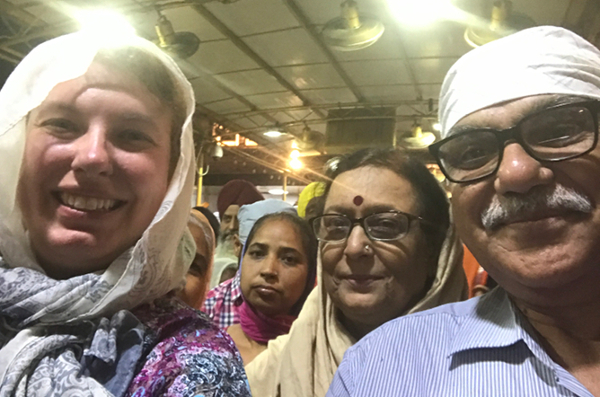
{"type": "Point", "coordinates": [386, 249]}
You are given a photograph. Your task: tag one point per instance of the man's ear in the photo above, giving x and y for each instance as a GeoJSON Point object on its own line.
{"type": "Point", "coordinates": [237, 245]}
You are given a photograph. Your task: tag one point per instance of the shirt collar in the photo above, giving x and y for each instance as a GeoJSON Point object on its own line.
{"type": "Point", "coordinates": [495, 322]}
{"type": "Point", "coordinates": [236, 289]}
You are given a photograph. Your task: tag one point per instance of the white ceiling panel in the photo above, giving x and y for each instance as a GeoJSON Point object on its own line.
{"type": "Point", "coordinates": [312, 76]}
{"type": "Point", "coordinates": [245, 123]}
{"type": "Point", "coordinates": [431, 90]}
{"type": "Point", "coordinates": [250, 82]}
{"type": "Point", "coordinates": [255, 16]}
{"type": "Point", "coordinates": [303, 114]}
{"type": "Point", "coordinates": [444, 39]}
{"type": "Point", "coordinates": [47, 13]}
{"type": "Point", "coordinates": [278, 100]}
{"type": "Point", "coordinates": [259, 120]}
{"type": "Point", "coordinates": [431, 71]}
{"type": "Point", "coordinates": [377, 72]}
{"type": "Point", "coordinates": [385, 93]}
{"type": "Point", "coordinates": [551, 13]}
{"type": "Point", "coordinates": [227, 106]}
{"type": "Point", "coordinates": [288, 47]}
{"type": "Point", "coordinates": [283, 118]}
{"type": "Point", "coordinates": [330, 95]}
{"type": "Point", "coordinates": [206, 92]}
{"type": "Point", "coordinates": [220, 57]}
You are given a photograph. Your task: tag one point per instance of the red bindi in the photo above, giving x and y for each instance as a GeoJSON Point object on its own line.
{"type": "Point", "coordinates": [358, 200]}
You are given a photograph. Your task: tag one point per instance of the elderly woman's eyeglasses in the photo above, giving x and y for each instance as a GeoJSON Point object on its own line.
{"type": "Point", "coordinates": [554, 134]}
{"type": "Point", "coordinates": [381, 226]}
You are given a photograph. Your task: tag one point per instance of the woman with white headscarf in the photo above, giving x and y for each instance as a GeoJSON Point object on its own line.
{"type": "Point", "coordinates": [96, 178]}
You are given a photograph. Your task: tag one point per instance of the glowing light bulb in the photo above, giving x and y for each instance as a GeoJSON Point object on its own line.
{"type": "Point", "coordinates": [437, 127]}
{"type": "Point", "coordinates": [295, 154]}
{"type": "Point", "coordinates": [273, 134]}
{"type": "Point", "coordinates": [106, 26]}
{"type": "Point", "coordinates": [296, 164]}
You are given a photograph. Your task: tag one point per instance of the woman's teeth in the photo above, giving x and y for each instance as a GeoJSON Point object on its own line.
{"type": "Point", "coordinates": [87, 203]}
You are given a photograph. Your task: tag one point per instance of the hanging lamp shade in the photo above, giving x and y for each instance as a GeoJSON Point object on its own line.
{"type": "Point", "coordinates": [352, 31]}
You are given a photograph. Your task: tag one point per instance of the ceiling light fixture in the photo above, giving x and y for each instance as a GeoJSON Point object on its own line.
{"type": "Point", "coordinates": [352, 31]}
{"type": "Point", "coordinates": [417, 138]}
{"type": "Point", "coordinates": [503, 22]}
{"type": "Point", "coordinates": [437, 126]}
{"type": "Point", "coordinates": [180, 44]}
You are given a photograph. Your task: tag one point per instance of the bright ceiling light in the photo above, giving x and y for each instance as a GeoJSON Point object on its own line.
{"type": "Point", "coordinates": [422, 12]}
{"type": "Point", "coordinates": [296, 164]}
{"type": "Point", "coordinates": [277, 192]}
{"type": "Point", "coordinates": [437, 126]}
{"type": "Point", "coordinates": [295, 154]}
{"type": "Point", "coordinates": [273, 134]}
{"type": "Point", "coordinates": [104, 25]}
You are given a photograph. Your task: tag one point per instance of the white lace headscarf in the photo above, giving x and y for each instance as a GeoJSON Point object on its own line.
{"type": "Point", "coordinates": [540, 60]}
{"type": "Point", "coordinates": [159, 260]}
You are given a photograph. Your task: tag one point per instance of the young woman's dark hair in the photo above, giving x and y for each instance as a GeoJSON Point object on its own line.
{"type": "Point", "coordinates": [309, 243]}
{"type": "Point", "coordinates": [432, 200]}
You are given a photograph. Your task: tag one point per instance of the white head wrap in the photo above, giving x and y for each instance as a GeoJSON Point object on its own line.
{"type": "Point", "coordinates": [540, 60]}
{"type": "Point", "coordinates": [160, 259]}
{"type": "Point", "coordinates": [250, 213]}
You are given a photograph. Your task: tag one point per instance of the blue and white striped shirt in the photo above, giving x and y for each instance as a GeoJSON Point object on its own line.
{"type": "Point", "coordinates": [481, 347]}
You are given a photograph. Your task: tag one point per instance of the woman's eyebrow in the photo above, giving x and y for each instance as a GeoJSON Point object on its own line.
{"type": "Point", "coordinates": [258, 245]}
{"type": "Point", "coordinates": [52, 106]}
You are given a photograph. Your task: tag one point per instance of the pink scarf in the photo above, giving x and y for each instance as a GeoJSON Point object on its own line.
{"type": "Point", "coordinates": [261, 328]}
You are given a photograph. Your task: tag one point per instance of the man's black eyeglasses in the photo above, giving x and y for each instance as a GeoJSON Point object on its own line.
{"type": "Point", "coordinates": [554, 134]}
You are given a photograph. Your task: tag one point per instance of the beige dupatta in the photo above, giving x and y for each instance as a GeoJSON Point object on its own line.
{"type": "Point", "coordinates": [303, 362]}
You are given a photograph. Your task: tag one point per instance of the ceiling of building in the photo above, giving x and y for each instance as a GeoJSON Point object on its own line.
{"type": "Point", "coordinates": [264, 63]}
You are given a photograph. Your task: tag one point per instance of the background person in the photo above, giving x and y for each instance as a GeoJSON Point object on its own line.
{"type": "Point", "coordinates": [234, 194]}
{"type": "Point", "coordinates": [386, 249]}
{"type": "Point", "coordinates": [309, 201]}
{"type": "Point", "coordinates": [198, 276]}
{"type": "Point", "coordinates": [212, 220]}
{"type": "Point", "coordinates": [520, 121]}
{"type": "Point", "coordinates": [223, 302]}
{"type": "Point", "coordinates": [278, 271]}
{"type": "Point", "coordinates": [98, 170]}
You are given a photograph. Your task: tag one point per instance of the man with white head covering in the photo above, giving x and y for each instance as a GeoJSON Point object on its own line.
{"type": "Point", "coordinates": [520, 125]}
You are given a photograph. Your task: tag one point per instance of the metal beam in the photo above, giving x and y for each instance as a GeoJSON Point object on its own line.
{"type": "Point", "coordinates": [405, 59]}
{"type": "Point", "coordinates": [241, 45]}
{"type": "Point", "coordinates": [325, 106]}
{"type": "Point", "coordinates": [266, 164]}
{"type": "Point", "coordinates": [304, 21]}
{"type": "Point", "coordinates": [50, 31]}
{"type": "Point", "coordinates": [23, 16]}
{"type": "Point", "coordinates": [8, 57]}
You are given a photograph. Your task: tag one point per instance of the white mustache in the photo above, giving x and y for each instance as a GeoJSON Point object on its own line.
{"type": "Point", "coordinates": [504, 209]}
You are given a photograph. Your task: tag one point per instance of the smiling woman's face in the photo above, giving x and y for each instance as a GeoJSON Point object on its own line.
{"type": "Point", "coordinates": [95, 170]}
{"type": "Point", "coordinates": [274, 268]}
{"type": "Point", "coordinates": [374, 285]}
